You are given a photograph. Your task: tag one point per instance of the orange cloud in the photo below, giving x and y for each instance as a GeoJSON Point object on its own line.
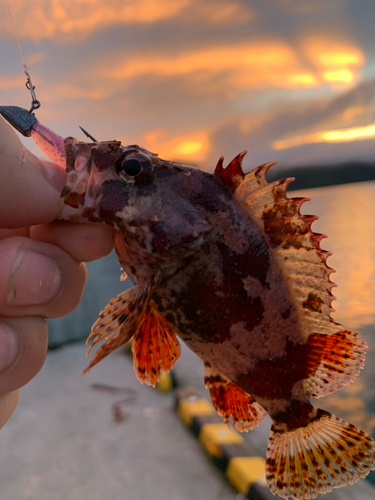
{"type": "Point", "coordinates": [191, 148]}
{"type": "Point", "coordinates": [336, 60]}
{"type": "Point", "coordinates": [217, 12]}
{"type": "Point", "coordinates": [268, 63]}
{"type": "Point", "coordinates": [355, 111]}
{"type": "Point", "coordinates": [41, 19]}
{"type": "Point", "coordinates": [340, 135]}
{"type": "Point", "coordinates": [12, 82]}
{"type": "Point", "coordinates": [79, 93]}
{"type": "Point", "coordinates": [261, 63]}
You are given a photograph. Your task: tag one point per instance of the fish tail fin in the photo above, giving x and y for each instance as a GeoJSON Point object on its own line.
{"type": "Point", "coordinates": [325, 454]}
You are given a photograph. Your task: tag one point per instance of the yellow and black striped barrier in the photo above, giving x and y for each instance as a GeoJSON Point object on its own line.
{"type": "Point", "coordinates": [167, 382]}
{"type": "Point", "coordinates": [243, 468]}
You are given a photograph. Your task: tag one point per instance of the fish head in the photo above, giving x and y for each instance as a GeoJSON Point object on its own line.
{"type": "Point", "coordinates": [153, 202]}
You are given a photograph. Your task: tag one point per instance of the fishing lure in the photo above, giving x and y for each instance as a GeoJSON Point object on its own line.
{"type": "Point", "coordinates": [226, 263]}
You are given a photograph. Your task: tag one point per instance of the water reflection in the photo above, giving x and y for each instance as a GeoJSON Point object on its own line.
{"type": "Point", "coordinates": [346, 215]}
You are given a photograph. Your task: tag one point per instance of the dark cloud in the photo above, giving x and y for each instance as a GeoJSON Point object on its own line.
{"type": "Point", "coordinates": [298, 119]}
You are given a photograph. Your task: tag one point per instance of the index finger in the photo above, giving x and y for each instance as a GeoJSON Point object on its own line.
{"type": "Point", "coordinates": [29, 188]}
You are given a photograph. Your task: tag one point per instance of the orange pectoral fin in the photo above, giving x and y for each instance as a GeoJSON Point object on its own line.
{"type": "Point", "coordinates": [155, 348]}
{"type": "Point", "coordinates": [117, 323]}
{"type": "Point", "coordinates": [229, 400]}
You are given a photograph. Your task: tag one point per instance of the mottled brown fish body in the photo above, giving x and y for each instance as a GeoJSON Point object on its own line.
{"type": "Point", "coordinates": [227, 263]}
{"type": "Point", "coordinates": [219, 302]}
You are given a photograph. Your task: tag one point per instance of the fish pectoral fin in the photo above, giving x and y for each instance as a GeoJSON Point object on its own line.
{"type": "Point", "coordinates": [229, 400]}
{"type": "Point", "coordinates": [325, 454]}
{"type": "Point", "coordinates": [334, 360]}
{"type": "Point", "coordinates": [155, 347]}
{"type": "Point", "coordinates": [117, 323]}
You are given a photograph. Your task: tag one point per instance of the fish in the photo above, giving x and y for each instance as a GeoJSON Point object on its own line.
{"type": "Point", "coordinates": [226, 263]}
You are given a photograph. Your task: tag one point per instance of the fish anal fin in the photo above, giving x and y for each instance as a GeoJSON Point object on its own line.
{"type": "Point", "coordinates": [155, 348]}
{"type": "Point", "coordinates": [335, 360]}
{"type": "Point", "coordinates": [229, 400]}
{"type": "Point", "coordinates": [325, 454]}
{"type": "Point", "coordinates": [233, 174]}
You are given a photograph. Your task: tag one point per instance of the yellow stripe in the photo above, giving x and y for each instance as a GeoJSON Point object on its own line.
{"type": "Point", "coordinates": [190, 409]}
{"type": "Point", "coordinates": [212, 436]}
{"type": "Point", "coordinates": [242, 472]}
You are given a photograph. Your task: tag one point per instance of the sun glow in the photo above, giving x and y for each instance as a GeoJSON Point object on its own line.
{"type": "Point", "coordinates": [192, 148]}
{"type": "Point", "coordinates": [337, 61]}
{"type": "Point", "coordinates": [340, 135]}
{"type": "Point", "coordinates": [342, 75]}
{"type": "Point", "coordinates": [189, 147]}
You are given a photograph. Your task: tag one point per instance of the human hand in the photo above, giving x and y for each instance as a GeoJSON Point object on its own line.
{"type": "Point", "coordinates": [42, 274]}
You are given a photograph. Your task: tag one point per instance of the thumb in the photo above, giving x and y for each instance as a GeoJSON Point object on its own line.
{"type": "Point", "coordinates": [29, 188]}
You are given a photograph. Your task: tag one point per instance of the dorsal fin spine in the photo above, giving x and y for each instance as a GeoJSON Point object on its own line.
{"type": "Point", "coordinates": [259, 174]}
{"type": "Point", "coordinates": [219, 167]}
{"type": "Point", "coordinates": [232, 174]}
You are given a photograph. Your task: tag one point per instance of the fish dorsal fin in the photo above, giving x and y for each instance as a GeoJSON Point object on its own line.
{"type": "Point", "coordinates": [302, 263]}
{"type": "Point", "coordinates": [294, 245]}
{"type": "Point", "coordinates": [155, 347]}
{"type": "Point", "coordinates": [232, 174]}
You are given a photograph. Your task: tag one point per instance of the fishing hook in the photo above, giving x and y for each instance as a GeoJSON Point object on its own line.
{"type": "Point", "coordinates": [35, 104]}
{"type": "Point", "coordinates": [87, 134]}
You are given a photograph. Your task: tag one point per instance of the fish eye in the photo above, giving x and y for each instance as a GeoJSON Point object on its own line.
{"type": "Point", "coordinates": [131, 167]}
{"type": "Point", "coordinates": [135, 168]}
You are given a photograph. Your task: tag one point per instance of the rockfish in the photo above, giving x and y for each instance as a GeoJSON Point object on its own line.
{"type": "Point", "coordinates": [226, 263]}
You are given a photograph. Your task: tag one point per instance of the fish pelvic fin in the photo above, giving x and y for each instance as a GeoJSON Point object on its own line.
{"type": "Point", "coordinates": [229, 400]}
{"type": "Point", "coordinates": [325, 454]}
{"type": "Point", "coordinates": [117, 323]}
{"type": "Point", "coordinates": [155, 348]}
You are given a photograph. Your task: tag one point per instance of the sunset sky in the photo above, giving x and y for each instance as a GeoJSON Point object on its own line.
{"type": "Point", "coordinates": [291, 81]}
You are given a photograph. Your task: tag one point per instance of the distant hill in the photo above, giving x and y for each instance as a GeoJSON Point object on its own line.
{"type": "Point", "coordinates": [323, 175]}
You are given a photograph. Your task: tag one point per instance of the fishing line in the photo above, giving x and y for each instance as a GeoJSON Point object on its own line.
{"type": "Point", "coordinates": [35, 104]}
{"type": "Point", "coordinates": [17, 39]}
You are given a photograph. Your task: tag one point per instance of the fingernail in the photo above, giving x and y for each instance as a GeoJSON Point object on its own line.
{"type": "Point", "coordinates": [55, 175]}
{"type": "Point", "coordinates": [8, 347]}
{"type": "Point", "coordinates": [34, 279]}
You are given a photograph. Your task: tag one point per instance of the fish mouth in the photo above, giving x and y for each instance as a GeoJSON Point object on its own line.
{"type": "Point", "coordinates": [56, 148]}
{"type": "Point", "coordinates": [84, 179]}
